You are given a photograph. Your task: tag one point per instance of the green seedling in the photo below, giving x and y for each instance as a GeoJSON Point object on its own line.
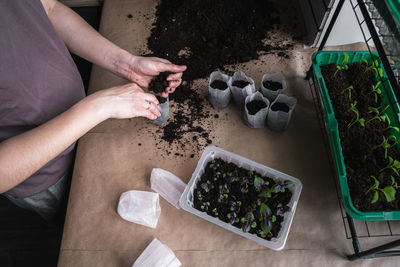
{"type": "Point", "coordinates": [386, 145]}
{"type": "Point", "coordinates": [342, 66]}
{"type": "Point", "coordinates": [393, 165]}
{"type": "Point", "coordinates": [388, 191]}
{"type": "Point", "coordinates": [348, 89]}
{"type": "Point", "coordinates": [357, 119]}
{"type": "Point", "coordinates": [378, 115]}
{"type": "Point", "coordinates": [376, 91]}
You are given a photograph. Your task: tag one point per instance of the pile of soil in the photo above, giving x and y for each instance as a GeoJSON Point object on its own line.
{"type": "Point", "coordinates": [280, 106]}
{"type": "Point", "coordinates": [227, 192]}
{"type": "Point", "coordinates": [360, 157]}
{"type": "Point", "coordinates": [207, 35]}
{"type": "Point", "coordinates": [220, 85]}
{"type": "Point", "coordinates": [271, 85]}
{"type": "Point", "coordinates": [254, 106]}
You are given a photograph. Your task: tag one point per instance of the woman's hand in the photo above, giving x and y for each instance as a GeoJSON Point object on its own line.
{"type": "Point", "coordinates": [142, 70]}
{"type": "Point", "coordinates": [126, 101]}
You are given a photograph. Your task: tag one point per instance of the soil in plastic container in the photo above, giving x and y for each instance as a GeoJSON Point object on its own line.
{"type": "Point", "coordinates": [359, 143]}
{"type": "Point", "coordinates": [159, 83]}
{"type": "Point", "coordinates": [218, 84]}
{"type": "Point", "coordinates": [243, 198]}
{"type": "Point", "coordinates": [240, 84]}
{"type": "Point", "coordinates": [254, 106]}
{"type": "Point", "coordinates": [271, 85]}
{"type": "Point", "coordinates": [280, 106]}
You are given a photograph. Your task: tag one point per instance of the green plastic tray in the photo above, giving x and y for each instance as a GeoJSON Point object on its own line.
{"type": "Point", "coordinates": [327, 57]}
{"type": "Point", "coordinates": [394, 6]}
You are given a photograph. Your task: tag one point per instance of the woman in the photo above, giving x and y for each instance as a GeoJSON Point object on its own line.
{"type": "Point", "coordinates": [43, 109]}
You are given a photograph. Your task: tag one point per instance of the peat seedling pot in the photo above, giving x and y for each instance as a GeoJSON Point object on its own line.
{"type": "Point", "coordinates": [219, 91]}
{"type": "Point", "coordinates": [272, 85]}
{"type": "Point", "coordinates": [164, 105]}
{"type": "Point", "coordinates": [280, 112]}
{"type": "Point", "coordinates": [242, 196]}
{"type": "Point", "coordinates": [241, 86]}
{"type": "Point", "coordinates": [256, 110]}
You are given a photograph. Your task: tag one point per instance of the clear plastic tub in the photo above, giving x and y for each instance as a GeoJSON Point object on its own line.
{"type": "Point", "coordinates": [212, 152]}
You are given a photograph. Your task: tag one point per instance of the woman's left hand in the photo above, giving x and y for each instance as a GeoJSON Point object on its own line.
{"type": "Point", "coordinates": [142, 70]}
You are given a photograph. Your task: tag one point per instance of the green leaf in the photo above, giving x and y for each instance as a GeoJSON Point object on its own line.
{"type": "Point", "coordinates": [346, 57]}
{"type": "Point", "coordinates": [375, 198]}
{"type": "Point", "coordinates": [273, 218]}
{"type": "Point", "coordinates": [229, 215]}
{"type": "Point", "coordinates": [266, 226]}
{"type": "Point", "coordinates": [376, 184]}
{"type": "Point", "coordinates": [380, 71]}
{"type": "Point", "coordinates": [254, 225]}
{"type": "Point", "coordinates": [258, 183]}
{"type": "Point", "coordinates": [390, 193]}
{"type": "Point", "coordinates": [396, 164]}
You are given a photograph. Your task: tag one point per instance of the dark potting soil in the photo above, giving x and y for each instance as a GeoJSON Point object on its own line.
{"type": "Point", "coordinates": [161, 99]}
{"type": "Point", "coordinates": [271, 85]}
{"type": "Point", "coordinates": [159, 83]}
{"type": "Point", "coordinates": [280, 106]}
{"type": "Point", "coordinates": [254, 106]}
{"type": "Point", "coordinates": [218, 84]}
{"type": "Point", "coordinates": [207, 35]}
{"type": "Point", "coordinates": [238, 196]}
{"type": "Point", "coordinates": [361, 157]}
{"type": "Point", "coordinates": [240, 84]}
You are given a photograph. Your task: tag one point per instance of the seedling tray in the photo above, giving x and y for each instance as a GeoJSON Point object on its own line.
{"type": "Point", "coordinates": [212, 152]}
{"type": "Point", "coordinates": [323, 58]}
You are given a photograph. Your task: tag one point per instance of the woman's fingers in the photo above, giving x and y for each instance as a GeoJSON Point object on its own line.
{"type": "Point", "coordinates": [175, 76]}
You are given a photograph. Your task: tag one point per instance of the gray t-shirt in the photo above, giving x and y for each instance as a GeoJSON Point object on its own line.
{"type": "Point", "coordinates": [38, 81]}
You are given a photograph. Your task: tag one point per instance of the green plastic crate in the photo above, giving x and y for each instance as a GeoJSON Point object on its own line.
{"type": "Point", "coordinates": [327, 57]}
{"type": "Point", "coordinates": [394, 6]}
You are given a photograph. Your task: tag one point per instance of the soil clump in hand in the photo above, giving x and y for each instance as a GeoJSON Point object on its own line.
{"type": "Point", "coordinates": [159, 83]}
{"type": "Point", "coordinates": [254, 106]}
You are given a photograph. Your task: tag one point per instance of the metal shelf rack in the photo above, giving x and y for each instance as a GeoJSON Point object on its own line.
{"type": "Point", "coordinates": [355, 230]}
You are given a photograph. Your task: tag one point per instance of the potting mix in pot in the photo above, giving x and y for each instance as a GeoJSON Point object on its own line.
{"type": "Point", "coordinates": [243, 198]}
{"type": "Point", "coordinates": [207, 35]}
{"type": "Point", "coordinates": [368, 137]}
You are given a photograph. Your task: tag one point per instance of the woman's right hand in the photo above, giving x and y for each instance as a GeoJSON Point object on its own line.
{"type": "Point", "coordinates": [126, 101]}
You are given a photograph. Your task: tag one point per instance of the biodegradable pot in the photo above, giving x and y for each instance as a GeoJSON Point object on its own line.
{"type": "Point", "coordinates": [240, 93]}
{"type": "Point", "coordinates": [271, 92]}
{"type": "Point", "coordinates": [162, 120]}
{"type": "Point", "coordinates": [256, 120]}
{"type": "Point", "coordinates": [278, 119]}
{"type": "Point", "coordinates": [219, 97]}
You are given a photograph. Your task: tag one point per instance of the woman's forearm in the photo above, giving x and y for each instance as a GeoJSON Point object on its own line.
{"type": "Point", "coordinates": [22, 155]}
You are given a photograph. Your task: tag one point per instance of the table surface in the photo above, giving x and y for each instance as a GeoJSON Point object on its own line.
{"type": "Point", "coordinates": [109, 161]}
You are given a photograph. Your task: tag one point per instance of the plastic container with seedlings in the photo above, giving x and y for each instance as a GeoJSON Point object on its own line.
{"type": "Point", "coordinates": [219, 91]}
{"type": "Point", "coordinates": [211, 153]}
{"type": "Point", "coordinates": [272, 85]}
{"type": "Point", "coordinates": [256, 110]}
{"type": "Point", "coordinates": [241, 86]}
{"type": "Point", "coordinates": [164, 105]}
{"type": "Point", "coordinates": [280, 112]}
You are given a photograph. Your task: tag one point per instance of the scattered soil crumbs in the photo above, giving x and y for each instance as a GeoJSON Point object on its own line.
{"type": "Point", "coordinates": [207, 35]}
